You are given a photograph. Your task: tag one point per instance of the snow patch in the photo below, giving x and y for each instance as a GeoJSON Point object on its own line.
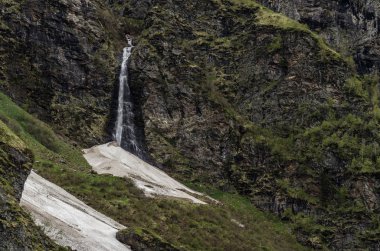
{"type": "Point", "coordinates": [67, 220]}
{"type": "Point", "coordinates": [112, 159]}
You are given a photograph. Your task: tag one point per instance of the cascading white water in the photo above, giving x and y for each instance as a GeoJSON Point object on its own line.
{"type": "Point", "coordinates": [123, 81]}
{"type": "Point", "coordinates": [125, 116]}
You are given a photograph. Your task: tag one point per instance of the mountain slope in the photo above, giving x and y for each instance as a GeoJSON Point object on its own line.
{"type": "Point", "coordinates": [227, 95]}
{"type": "Point", "coordinates": [350, 26]}
{"type": "Point", "coordinates": [217, 227]}
{"type": "Point", "coordinates": [67, 220]}
{"type": "Point", "coordinates": [17, 230]}
{"type": "Point", "coordinates": [65, 52]}
{"type": "Point", "coordinates": [236, 95]}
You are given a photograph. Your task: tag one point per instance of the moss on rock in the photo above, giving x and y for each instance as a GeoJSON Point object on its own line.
{"type": "Point", "coordinates": [17, 230]}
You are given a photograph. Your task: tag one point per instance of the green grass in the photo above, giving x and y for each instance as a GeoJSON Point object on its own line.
{"type": "Point", "coordinates": [267, 17]}
{"type": "Point", "coordinates": [8, 137]}
{"type": "Point", "coordinates": [14, 164]}
{"type": "Point", "coordinates": [39, 137]}
{"type": "Point", "coordinates": [22, 123]}
{"type": "Point", "coordinates": [185, 225]}
{"type": "Point", "coordinates": [275, 45]}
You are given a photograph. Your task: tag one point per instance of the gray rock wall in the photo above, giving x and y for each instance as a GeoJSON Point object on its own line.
{"type": "Point", "coordinates": [351, 26]}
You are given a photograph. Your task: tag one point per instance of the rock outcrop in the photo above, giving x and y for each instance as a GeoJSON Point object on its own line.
{"type": "Point", "coordinates": [142, 240]}
{"type": "Point", "coordinates": [17, 230]}
{"type": "Point", "coordinates": [351, 26]}
{"type": "Point", "coordinates": [59, 60]}
{"type": "Point", "coordinates": [236, 95]}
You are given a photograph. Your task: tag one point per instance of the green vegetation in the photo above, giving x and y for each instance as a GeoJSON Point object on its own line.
{"type": "Point", "coordinates": [267, 17]}
{"type": "Point", "coordinates": [354, 86]}
{"type": "Point", "coordinates": [9, 138]}
{"type": "Point", "coordinates": [275, 45]}
{"type": "Point", "coordinates": [138, 237]}
{"type": "Point", "coordinates": [185, 225]}
{"type": "Point", "coordinates": [132, 25]}
{"type": "Point", "coordinates": [332, 134]}
{"type": "Point", "coordinates": [10, 6]}
{"type": "Point", "coordinates": [352, 138]}
{"type": "Point", "coordinates": [349, 137]}
{"type": "Point", "coordinates": [18, 230]}
{"type": "Point", "coordinates": [344, 137]}
{"type": "Point", "coordinates": [27, 127]}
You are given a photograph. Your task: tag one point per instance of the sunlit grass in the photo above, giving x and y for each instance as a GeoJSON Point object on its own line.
{"type": "Point", "coordinates": [183, 224]}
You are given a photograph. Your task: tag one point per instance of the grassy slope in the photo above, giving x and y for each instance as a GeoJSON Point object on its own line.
{"type": "Point", "coordinates": [267, 17]}
{"type": "Point", "coordinates": [352, 136]}
{"type": "Point", "coordinates": [187, 226]}
{"type": "Point", "coordinates": [16, 226]}
{"type": "Point", "coordinates": [347, 130]}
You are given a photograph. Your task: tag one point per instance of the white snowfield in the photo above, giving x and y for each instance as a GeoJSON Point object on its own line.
{"type": "Point", "coordinates": [67, 220]}
{"type": "Point", "coordinates": [70, 222]}
{"type": "Point", "coordinates": [112, 159]}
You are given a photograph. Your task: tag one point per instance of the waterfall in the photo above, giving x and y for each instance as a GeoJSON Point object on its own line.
{"type": "Point", "coordinates": [125, 134]}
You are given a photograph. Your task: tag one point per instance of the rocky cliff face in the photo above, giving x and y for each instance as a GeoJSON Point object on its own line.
{"type": "Point", "coordinates": [225, 92]}
{"type": "Point", "coordinates": [17, 230]}
{"type": "Point", "coordinates": [351, 26]}
{"type": "Point", "coordinates": [235, 95]}
{"type": "Point", "coordinates": [59, 61]}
